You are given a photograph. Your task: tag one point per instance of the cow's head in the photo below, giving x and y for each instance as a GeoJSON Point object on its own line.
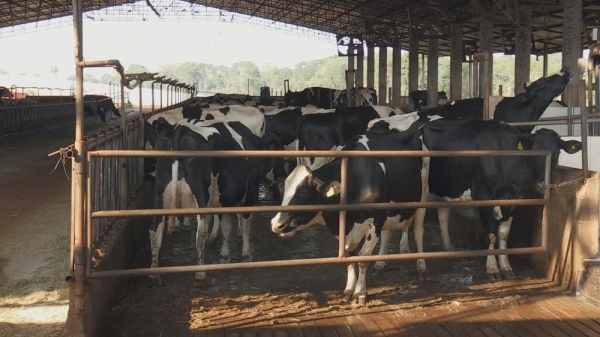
{"type": "Point", "coordinates": [442, 95]}
{"type": "Point", "coordinates": [302, 187]}
{"type": "Point", "coordinates": [550, 86]}
{"type": "Point", "coordinates": [548, 140]}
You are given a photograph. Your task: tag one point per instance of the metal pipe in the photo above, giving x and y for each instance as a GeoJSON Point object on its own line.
{"type": "Point", "coordinates": [161, 95]}
{"type": "Point", "coordinates": [569, 109]}
{"type": "Point", "coordinates": [343, 202]}
{"type": "Point", "coordinates": [316, 261]}
{"type": "Point", "coordinates": [584, 130]}
{"type": "Point", "coordinates": [545, 213]}
{"type": "Point", "coordinates": [123, 181]}
{"type": "Point", "coordinates": [89, 220]}
{"type": "Point", "coordinates": [341, 154]}
{"type": "Point", "coordinates": [78, 164]}
{"type": "Point", "coordinates": [318, 208]}
{"type": "Point", "coordinates": [557, 121]}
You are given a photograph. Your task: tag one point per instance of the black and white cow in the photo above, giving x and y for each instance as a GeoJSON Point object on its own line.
{"type": "Point", "coordinates": [387, 179]}
{"type": "Point", "coordinates": [322, 131]}
{"type": "Point", "coordinates": [208, 182]}
{"type": "Point", "coordinates": [251, 117]}
{"type": "Point", "coordinates": [419, 98]}
{"type": "Point", "coordinates": [488, 178]}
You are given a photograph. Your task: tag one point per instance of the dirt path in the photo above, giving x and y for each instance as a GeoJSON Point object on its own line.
{"type": "Point", "coordinates": [34, 233]}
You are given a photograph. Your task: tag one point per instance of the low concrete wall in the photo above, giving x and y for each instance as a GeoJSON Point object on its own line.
{"type": "Point", "coordinates": [573, 228]}
{"type": "Point", "coordinates": [125, 246]}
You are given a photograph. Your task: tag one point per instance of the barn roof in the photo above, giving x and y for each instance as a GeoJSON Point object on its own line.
{"type": "Point", "coordinates": [378, 21]}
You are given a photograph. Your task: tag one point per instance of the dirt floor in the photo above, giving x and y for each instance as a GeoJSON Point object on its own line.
{"type": "Point", "coordinates": [270, 296]}
{"type": "Point", "coordinates": [35, 204]}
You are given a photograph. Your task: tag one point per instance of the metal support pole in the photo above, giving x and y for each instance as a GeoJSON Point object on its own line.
{"type": "Point", "coordinates": [343, 201]}
{"type": "Point", "coordinates": [161, 95]}
{"type": "Point", "coordinates": [78, 166]}
{"type": "Point", "coordinates": [584, 130]}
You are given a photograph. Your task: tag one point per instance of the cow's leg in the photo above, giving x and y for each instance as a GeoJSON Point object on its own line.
{"type": "Point", "coordinates": [492, 271]}
{"type": "Point", "coordinates": [201, 234]}
{"type": "Point", "coordinates": [360, 291]}
{"type": "Point", "coordinates": [353, 239]}
{"type": "Point", "coordinates": [490, 227]}
{"type": "Point", "coordinates": [225, 231]}
{"type": "Point", "coordinates": [503, 231]}
{"type": "Point", "coordinates": [419, 219]}
{"type": "Point", "coordinates": [350, 282]}
{"type": "Point", "coordinates": [215, 227]}
{"type": "Point", "coordinates": [404, 246]}
{"type": "Point", "coordinates": [155, 243]}
{"type": "Point", "coordinates": [241, 232]}
{"type": "Point", "coordinates": [245, 223]}
{"type": "Point", "coordinates": [444, 219]}
{"type": "Point", "coordinates": [383, 248]}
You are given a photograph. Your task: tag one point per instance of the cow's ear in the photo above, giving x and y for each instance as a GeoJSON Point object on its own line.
{"type": "Point", "coordinates": [331, 189]}
{"type": "Point", "coordinates": [570, 146]}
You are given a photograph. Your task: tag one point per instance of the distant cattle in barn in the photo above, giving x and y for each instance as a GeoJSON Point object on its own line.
{"type": "Point", "coordinates": [370, 180]}
{"type": "Point", "coordinates": [327, 98]}
{"type": "Point", "coordinates": [525, 107]}
{"type": "Point", "coordinates": [419, 98]}
{"type": "Point", "coordinates": [208, 182]}
{"type": "Point", "coordinates": [102, 105]}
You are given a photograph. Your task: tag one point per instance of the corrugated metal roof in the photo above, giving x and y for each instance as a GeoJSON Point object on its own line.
{"type": "Point", "coordinates": [378, 21]}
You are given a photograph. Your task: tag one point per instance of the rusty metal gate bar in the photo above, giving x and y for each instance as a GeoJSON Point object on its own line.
{"type": "Point", "coordinates": [342, 207]}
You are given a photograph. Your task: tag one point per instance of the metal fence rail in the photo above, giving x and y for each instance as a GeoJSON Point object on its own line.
{"type": "Point", "coordinates": [16, 119]}
{"type": "Point", "coordinates": [343, 207]}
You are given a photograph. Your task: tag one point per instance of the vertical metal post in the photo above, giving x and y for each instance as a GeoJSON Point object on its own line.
{"type": "Point", "coordinates": [569, 94]}
{"type": "Point", "coordinates": [161, 95]}
{"type": "Point", "coordinates": [545, 61]}
{"type": "Point", "coordinates": [124, 142]}
{"type": "Point", "coordinates": [545, 212]}
{"type": "Point", "coordinates": [78, 165]}
{"type": "Point", "coordinates": [500, 90]}
{"type": "Point", "coordinates": [349, 87]}
{"type": "Point", "coordinates": [152, 93]}
{"type": "Point", "coordinates": [584, 130]}
{"type": "Point", "coordinates": [90, 209]}
{"type": "Point", "coordinates": [343, 201]}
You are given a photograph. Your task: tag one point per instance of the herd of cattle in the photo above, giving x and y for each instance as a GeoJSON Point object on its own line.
{"type": "Point", "coordinates": [238, 122]}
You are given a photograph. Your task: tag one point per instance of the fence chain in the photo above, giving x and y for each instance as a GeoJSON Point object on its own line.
{"type": "Point", "coordinates": [64, 154]}
{"type": "Point", "coordinates": [560, 185]}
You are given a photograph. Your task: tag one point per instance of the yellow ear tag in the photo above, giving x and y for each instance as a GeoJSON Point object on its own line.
{"type": "Point", "coordinates": [572, 147]}
{"type": "Point", "coordinates": [330, 192]}
{"type": "Point", "coordinates": [520, 146]}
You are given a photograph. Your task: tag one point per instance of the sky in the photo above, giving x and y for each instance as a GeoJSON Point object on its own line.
{"type": "Point", "coordinates": [154, 43]}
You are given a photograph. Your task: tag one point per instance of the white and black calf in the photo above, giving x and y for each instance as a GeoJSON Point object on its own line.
{"type": "Point", "coordinates": [488, 178]}
{"type": "Point", "coordinates": [370, 180]}
{"type": "Point", "coordinates": [208, 182]}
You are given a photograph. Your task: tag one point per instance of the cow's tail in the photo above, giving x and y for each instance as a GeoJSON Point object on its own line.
{"type": "Point", "coordinates": [172, 220]}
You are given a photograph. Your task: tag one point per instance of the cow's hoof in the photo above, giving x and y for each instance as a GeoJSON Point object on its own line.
{"type": "Point", "coordinates": [224, 259]}
{"type": "Point", "coordinates": [508, 274]}
{"type": "Point", "coordinates": [247, 258]}
{"type": "Point", "coordinates": [359, 301]}
{"type": "Point", "coordinates": [404, 250]}
{"type": "Point", "coordinates": [200, 283]}
{"type": "Point", "coordinates": [346, 298]}
{"type": "Point", "coordinates": [493, 276]}
{"type": "Point", "coordinates": [422, 275]}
